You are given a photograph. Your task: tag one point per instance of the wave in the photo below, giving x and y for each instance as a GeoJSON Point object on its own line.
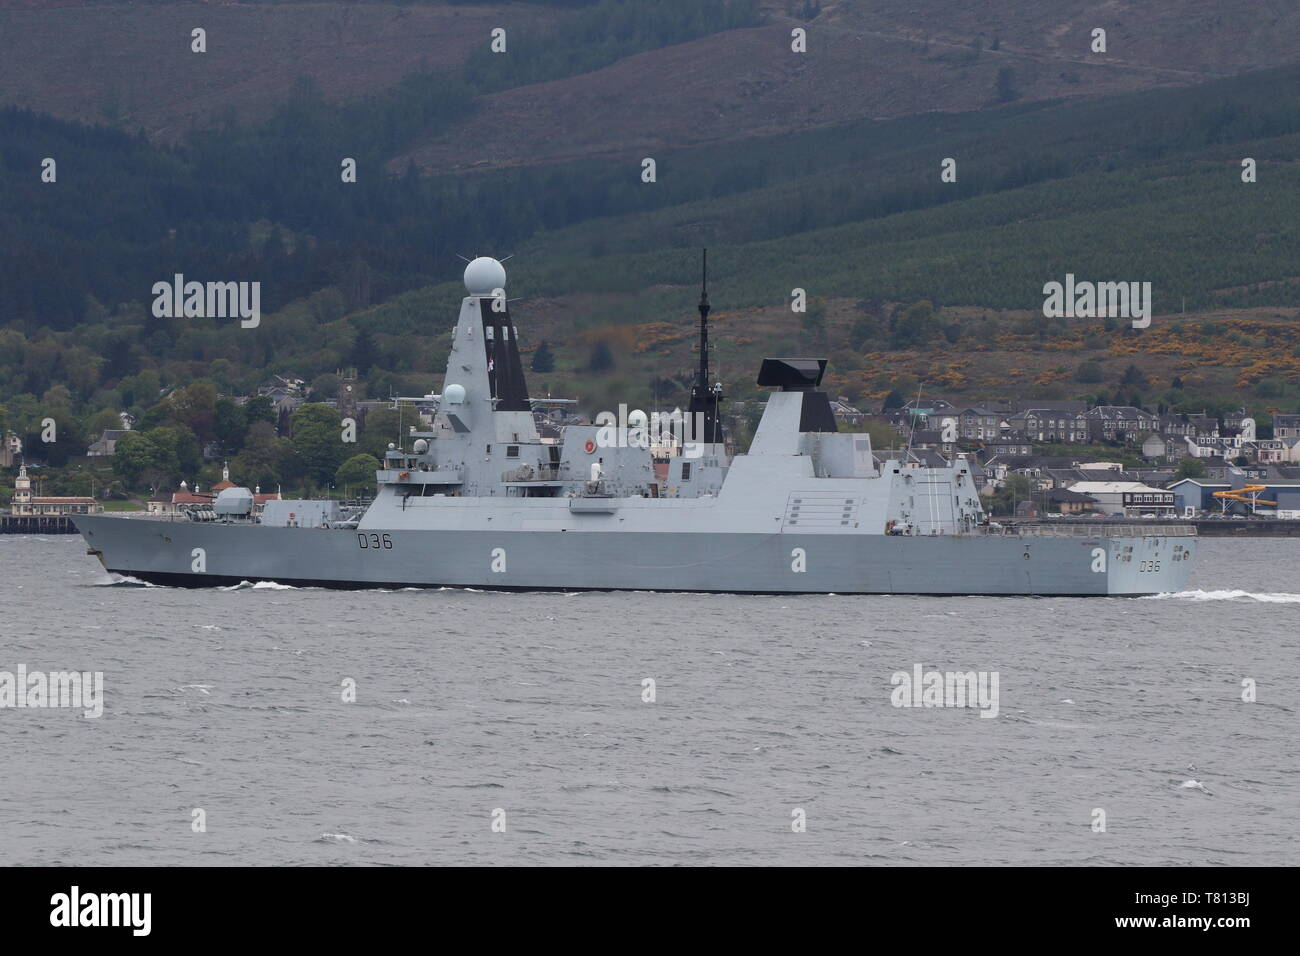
{"type": "Point", "coordinates": [124, 580]}
{"type": "Point", "coordinates": [259, 586]}
{"type": "Point", "coordinates": [1266, 597]}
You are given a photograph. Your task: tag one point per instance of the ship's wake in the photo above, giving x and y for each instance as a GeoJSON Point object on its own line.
{"type": "Point", "coordinates": [259, 586]}
{"type": "Point", "coordinates": [1267, 597]}
{"type": "Point", "coordinates": [125, 581]}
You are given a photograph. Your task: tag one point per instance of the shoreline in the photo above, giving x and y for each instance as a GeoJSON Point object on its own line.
{"type": "Point", "coordinates": [1205, 527]}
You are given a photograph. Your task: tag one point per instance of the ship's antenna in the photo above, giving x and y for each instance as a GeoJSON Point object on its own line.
{"type": "Point", "coordinates": [704, 324]}
{"type": "Point", "coordinates": [655, 389]}
{"type": "Point", "coordinates": [705, 400]}
{"type": "Point", "coordinates": [399, 423]}
{"type": "Point", "coordinates": [912, 430]}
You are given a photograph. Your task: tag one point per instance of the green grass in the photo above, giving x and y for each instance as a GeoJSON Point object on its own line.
{"type": "Point", "coordinates": [123, 505]}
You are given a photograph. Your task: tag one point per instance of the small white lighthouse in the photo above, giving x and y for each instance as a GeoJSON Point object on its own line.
{"type": "Point", "coordinates": [22, 489]}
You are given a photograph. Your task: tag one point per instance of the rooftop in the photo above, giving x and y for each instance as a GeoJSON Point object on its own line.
{"type": "Point", "coordinates": [1111, 487]}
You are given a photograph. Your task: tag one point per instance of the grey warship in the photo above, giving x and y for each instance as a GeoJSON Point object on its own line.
{"type": "Point", "coordinates": [481, 501]}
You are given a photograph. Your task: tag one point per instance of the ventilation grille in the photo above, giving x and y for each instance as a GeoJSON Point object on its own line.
{"type": "Point", "coordinates": [820, 512]}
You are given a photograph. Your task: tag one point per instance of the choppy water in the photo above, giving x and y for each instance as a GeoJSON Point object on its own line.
{"type": "Point", "coordinates": [468, 702]}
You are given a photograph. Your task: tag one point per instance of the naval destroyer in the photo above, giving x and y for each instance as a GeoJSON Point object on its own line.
{"type": "Point", "coordinates": [480, 500]}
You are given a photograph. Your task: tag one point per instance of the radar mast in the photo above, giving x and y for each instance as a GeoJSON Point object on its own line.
{"type": "Point", "coordinates": [705, 398]}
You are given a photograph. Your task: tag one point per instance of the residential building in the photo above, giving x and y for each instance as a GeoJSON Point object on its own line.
{"type": "Point", "coordinates": [1205, 425]}
{"type": "Point", "coordinates": [1166, 447]}
{"type": "Point", "coordinates": [1011, 443]}
{"type": "Point", "coordinates": [1277, 450]}
{"type": "Point", "coordinates": [1180, 426]}
{"type": "Point", "coordinates": [1154, 447]}
{"type": "Point", "coordinates": [922, 414]}
{"type": "Point", "coordinates": [1217, 469]}
{"type": "Point", "coordinates": [1051, 425]}
{"type": "Point", "coordinates": [974, 424]}
{"type": "Point", "coordinates": [1119, 422]}
{"type": "Point", "coordinates": [932, 438]}
{"type": "Point", "coordinates": [106, 444]}
{"type": "Point", "coordinates": [1155, 477]}
{"type": "Point", "coordinates": [1067, 406]}
{"type": "Point", "coordinates": [1232, 421]}
{"type": "Point", "coordinates": [1286, 426]}
{"type": "Point", "coordinates": [11, 446]}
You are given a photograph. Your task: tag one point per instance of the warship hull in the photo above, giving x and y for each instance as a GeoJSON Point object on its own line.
{"type": "Point", "coordinates": [480, 500]}
{"type": "Point", "coordinates": [1150, 560]}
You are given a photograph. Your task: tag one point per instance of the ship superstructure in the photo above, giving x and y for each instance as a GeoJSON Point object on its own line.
{"type": "Point", "coordinates": [479, 500]}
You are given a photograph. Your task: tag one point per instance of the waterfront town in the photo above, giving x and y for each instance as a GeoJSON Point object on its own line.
{"type": "Point", "coordinates": [1033, 459]}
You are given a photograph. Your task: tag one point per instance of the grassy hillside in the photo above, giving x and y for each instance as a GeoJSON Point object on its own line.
{"type": "Point", "coordinates": [81, 60]}
{"type": "Point", "coordinates": [865, 61]}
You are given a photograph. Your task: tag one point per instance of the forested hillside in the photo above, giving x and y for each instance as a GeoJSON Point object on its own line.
{"type": "Point", "coordinates": [909, 278]}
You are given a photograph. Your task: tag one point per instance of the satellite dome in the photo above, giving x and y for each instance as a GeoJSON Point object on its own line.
{"type": "Point", "coordinates": [484, 275]}
{"type": "Point", "coordinates": [454, 394]}
{"type": "Point", "coordinates": [421, 446]}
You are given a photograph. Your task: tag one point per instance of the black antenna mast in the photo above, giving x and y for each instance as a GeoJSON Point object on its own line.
{"type": "Point", "coordinates": [702, 381]}
{"type": "Point", "coordinates": [705, 399]}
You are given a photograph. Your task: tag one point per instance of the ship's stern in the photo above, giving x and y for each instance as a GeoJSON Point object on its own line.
{"type": "Point", "coordinates": [1150, 560]}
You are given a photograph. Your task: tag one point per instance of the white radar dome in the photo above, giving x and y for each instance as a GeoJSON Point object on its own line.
{"type": "Point", "coordinates": [421, 446]}
{"type": "Point", "coordinates": [454, 394]}
{"type": "Point", "coordinates": [484, 275]}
